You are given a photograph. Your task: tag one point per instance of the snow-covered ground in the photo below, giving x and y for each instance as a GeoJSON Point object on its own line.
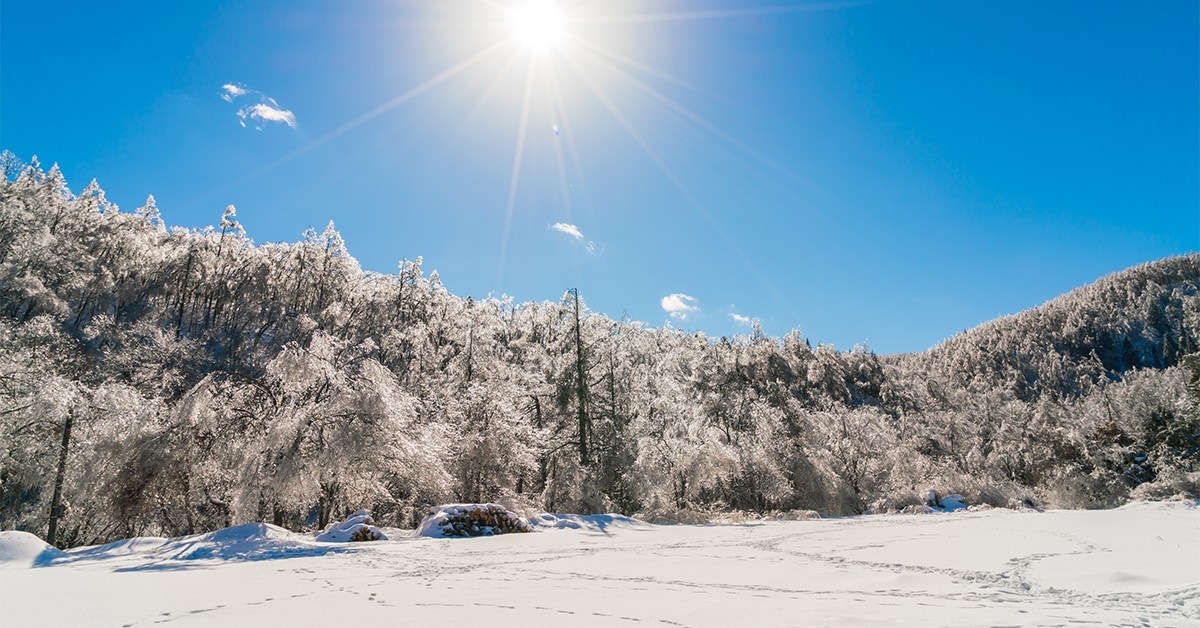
{"type": "Point", "coordinates": [1136, 565]}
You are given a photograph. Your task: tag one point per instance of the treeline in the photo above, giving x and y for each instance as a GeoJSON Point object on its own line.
{"type": "Point", "coordinates": [159, 380]}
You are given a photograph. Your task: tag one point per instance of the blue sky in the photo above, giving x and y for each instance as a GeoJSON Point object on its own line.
{"type": "Point", "coordinates": [889, 172]}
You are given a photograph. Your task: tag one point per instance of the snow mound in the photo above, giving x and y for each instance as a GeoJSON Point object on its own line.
{"type": "Point", "coordinates": [358, 527]}
{"type": "Point", "coordinates": [950, 503]}
{"type": "Point", "coordinates": [1160, 505]}
{"type": "Point", "coordinates": [249, 541]}
{"type": "Point", "coordinates": [22, 549]}
{"type": "Point", "coordinates": [246, 542]}
{"type": "Point", "coordinates": [799, 515]}
{"type": "Point", "coordinates": [463, 520]}
{"type": "Point", "coordinates": [933, 503]}
{"type": "Point", "coordinates": [595, 523]}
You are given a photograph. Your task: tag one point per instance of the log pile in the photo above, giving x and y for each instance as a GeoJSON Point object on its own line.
{"type": "Point", "coordinates": [479, 520]}
{"type": "Point", "coordinates": [357, 528]}
{"type": "Point", "coordinates": [365, 533]}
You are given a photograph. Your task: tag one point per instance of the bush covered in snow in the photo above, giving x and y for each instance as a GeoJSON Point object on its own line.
{"type": "Point", "coordinates": [462, 520]}
{"type": "Point", "coordinates": [358, 527]}
{"type": "Point", "coordinates": [668, 516]}
{"type": "Point", "coordinates": [1174, 485]}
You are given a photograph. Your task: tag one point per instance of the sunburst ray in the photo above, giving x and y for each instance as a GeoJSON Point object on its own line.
{"type": "Point", "coordinates": [514, 180]}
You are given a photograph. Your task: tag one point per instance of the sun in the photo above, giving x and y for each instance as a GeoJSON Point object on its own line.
{"type": "Point", "coordinates": [579, 58]}
{"type": "Point", "coordinates": [538, 25]}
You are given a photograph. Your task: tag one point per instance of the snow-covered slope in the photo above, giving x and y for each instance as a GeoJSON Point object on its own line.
{"type": "Point", "coordinates": [1135, 565]}
{"type": "Point", "coordinates": [22, 549]}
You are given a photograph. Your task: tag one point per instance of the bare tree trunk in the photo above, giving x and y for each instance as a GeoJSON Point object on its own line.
{"type": "Point", "coordinates": [470, 351]}
{"type": "Point", "coordinates": [56, 507]}
{"type": "Point", "coordinates": [185, 283]}
{"type": "Point", "coordinates": [187, 503]}
{"type": "Point", "coordinates": [581, 386]}
{"type": "Point", "coordinates": [542, 469]}
{"type": "Point", "coordinates": [326, 504]}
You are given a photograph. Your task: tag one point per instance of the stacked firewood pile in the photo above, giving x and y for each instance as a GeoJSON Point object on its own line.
{"type": "Point", "coordinates": [365, 533]}
{"type": "Point", "coordinates": [357, 528]}
{"type": "Point", "coordinates": [465, 520]}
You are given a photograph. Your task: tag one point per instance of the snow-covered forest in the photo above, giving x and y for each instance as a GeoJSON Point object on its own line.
{"type": "Point", "coordinates": [158, 380]}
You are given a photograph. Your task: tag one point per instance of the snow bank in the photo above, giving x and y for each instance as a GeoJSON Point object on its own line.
{"type": "Point", "coordinates": [596, 523]}
{"type": "Point", "coordinates": [358, 527]}
{"type": "Point", "coordinates": [1158, 505]}
{"type": "Point", "coordinates": [933, 503]}
{"type": "Point", "coordinates": [246, 542]}
{"type": "Point", "coordinates": [462, 520]}
{"type": "Point", "coordinates": [249, 541]}
{"type": "Point", "coordinates": [950, 503]}
{"type": "Point", "coordinates": [22, 549]}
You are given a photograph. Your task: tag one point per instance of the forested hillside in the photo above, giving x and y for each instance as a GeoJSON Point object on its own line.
{"type": "Point", "coordinates": [158, 380]}
{"type": "Point", "coordinates": [1143, 318]}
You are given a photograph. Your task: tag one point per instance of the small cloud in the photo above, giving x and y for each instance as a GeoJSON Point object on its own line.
{"type": "Point", "coordinates": [745, 321]}
{"type": "Point", "coordinates": [574, 232]}
{"type": "Point", "coordinates": [264, 112]}
{"type": "Point", "coordinates": [267, 110]}
{"type": "Point", "coordinates": [567, 228]}
{"type": "Point", "coordinates": [232, 91]}
{"type": "Point", "coordinates": [679, 305]}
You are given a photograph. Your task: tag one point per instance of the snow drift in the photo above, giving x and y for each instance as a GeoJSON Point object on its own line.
{"type": "Point", "coordinates": [591, 523]}
{"type": "Point", "coordinates": [249, 541]}
{"type": "Point", "coordinates": [22, 549]}
{"type": "Point", "coordinates": [358, 527]}
{"type": "Point", "coordinates": [246, 542]}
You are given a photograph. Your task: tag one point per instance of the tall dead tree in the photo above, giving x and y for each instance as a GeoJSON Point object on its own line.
{"type": "Point", "coordinates": [581, 385]}
{"type": "Point", "coordinates": [56, 507]}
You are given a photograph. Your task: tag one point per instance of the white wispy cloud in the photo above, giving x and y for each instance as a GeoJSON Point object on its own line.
{"type": "Point", "coordinates": [574, 232]}
{"type": "Point", "coordinates": [568, 228]}
{"type": "Point", "coordinates": [265, 111]}
{"type": "Point", "coordinates": [679, 305]}
{"type": "Point", "coordinates": [232, 91]}
{"type": "Point", "coordinates": [741, 320]}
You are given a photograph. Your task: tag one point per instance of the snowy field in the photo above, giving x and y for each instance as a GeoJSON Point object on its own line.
{"type": "Point", "coordinates": [1133, 566]}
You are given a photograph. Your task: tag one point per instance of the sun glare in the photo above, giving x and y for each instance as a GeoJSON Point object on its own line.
{"type": "Point", "coordinates": [538, 25]}
{"type": "Point", "coordinates": [572, 49]}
